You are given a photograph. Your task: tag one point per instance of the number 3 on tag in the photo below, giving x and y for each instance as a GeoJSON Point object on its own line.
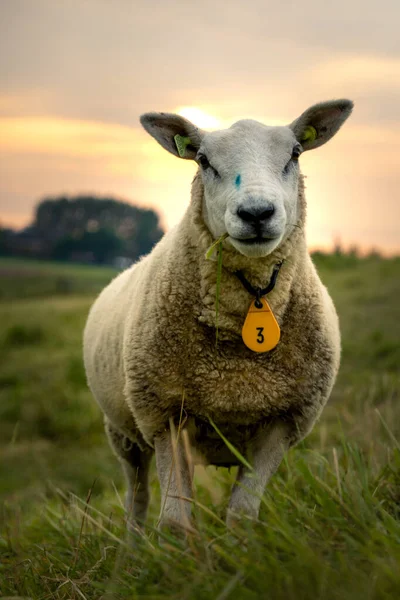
{"type": "Point", "coordinates": [260, 331]}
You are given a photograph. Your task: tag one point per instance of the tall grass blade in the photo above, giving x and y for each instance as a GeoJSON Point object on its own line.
{"type": "Point", "coordinates": [232, 448]}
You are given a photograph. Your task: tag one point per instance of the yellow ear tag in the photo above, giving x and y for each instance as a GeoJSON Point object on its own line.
{"type": "Point", "coordinates": [261, 331]}
{"type": "Point", "coordinates": [181, 142]}
{"type": "Point", "coordinates": [309, 134]}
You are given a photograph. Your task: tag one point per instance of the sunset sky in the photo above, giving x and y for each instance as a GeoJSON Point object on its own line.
{"type": "Point", "coordinates": [75, 75]}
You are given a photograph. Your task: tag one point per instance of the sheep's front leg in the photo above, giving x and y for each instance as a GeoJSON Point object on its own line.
{"type": "Point", "coordinates": [175, 476]}
{"type": "Point", "coordinates": [264, 454]}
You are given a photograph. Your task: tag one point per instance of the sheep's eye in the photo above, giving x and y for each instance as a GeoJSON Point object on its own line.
{"type": "Point", "coordinates": [203, 160]}
{"type": "Point", "coordinates": [296, 152]}
{"type": "Point", "coordinates": [204, 163]}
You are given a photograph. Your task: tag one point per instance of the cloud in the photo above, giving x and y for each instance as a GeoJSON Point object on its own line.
{"type": "Point", "coordinates": [360, 72]}
{"type": "Point", "coordinates": [112, 61]}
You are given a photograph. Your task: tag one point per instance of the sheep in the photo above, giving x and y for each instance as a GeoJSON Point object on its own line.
{"type": "Point", "coordinates": [150, 350]}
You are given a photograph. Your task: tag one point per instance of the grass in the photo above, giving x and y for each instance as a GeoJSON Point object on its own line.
{"type": "Point", "coordinates": [41, 279]}
{"type": "Point", "coordinates": [330, 520]}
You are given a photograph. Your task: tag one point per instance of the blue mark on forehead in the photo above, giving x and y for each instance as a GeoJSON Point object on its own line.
{"type": "Point", "coordinates": [238, 180]}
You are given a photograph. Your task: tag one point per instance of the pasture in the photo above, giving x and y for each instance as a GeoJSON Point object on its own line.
{"type": "Point", "coordinates": [330, 519]}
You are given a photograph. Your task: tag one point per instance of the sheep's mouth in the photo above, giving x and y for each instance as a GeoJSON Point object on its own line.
{"type": "Point", "coordinates": [255, 240]}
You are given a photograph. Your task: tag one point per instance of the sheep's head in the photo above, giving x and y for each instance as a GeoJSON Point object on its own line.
{"type": "Point", "coordinates": [250, 171]}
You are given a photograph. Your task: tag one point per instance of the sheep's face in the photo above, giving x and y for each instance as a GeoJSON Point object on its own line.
{"type": "Point", "coordinates": [250, 174]}
{"type": "Point", "coordinates": [250, 171]}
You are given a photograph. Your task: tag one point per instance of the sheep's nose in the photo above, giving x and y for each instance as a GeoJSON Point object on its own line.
{"type": "Point", "coordinates": [256, 215]}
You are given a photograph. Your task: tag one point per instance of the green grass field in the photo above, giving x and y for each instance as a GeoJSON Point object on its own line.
{"type": "Point", "coordinates": [330, 521]}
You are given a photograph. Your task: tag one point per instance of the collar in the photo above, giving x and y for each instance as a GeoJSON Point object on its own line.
{"type": "Point", "coordinates": [257, 291]}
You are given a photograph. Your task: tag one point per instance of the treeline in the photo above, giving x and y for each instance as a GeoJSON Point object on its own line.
{"type": "Point", "coordinates": [85, 229]}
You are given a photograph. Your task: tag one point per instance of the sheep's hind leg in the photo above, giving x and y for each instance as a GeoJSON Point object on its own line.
{"type": "Point", "coordinates": [135, 463]}
{"type": "Point", "coordinates": [265, 454]}
{"type": "Point", "coordinates": [175, 476]}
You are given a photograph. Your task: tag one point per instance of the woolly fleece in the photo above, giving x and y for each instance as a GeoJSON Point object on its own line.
{"type": "Point", "coordinates": [150, 337]}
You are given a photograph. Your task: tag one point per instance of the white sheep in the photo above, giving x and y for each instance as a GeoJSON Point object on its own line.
{"type": "Point", "coordinates": [150, 340]}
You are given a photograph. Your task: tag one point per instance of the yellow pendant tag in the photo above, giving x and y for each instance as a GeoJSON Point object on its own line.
{"type": "Point", "coordinates": [260, 331]}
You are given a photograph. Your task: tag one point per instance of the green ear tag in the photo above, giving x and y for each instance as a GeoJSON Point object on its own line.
{"type": "Point", "coordinates": [309, 134]}
{"type": "Point", "coordinates": [181, 143]}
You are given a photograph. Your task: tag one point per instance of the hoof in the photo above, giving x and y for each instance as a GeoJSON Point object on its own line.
{"type": "Point", "coordinates": [176, 529]}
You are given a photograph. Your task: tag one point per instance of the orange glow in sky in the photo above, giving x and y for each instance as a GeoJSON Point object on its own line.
{"type": "Point", "coordinates": [76, 76]}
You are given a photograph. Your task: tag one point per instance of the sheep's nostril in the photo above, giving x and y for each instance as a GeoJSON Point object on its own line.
{"type": "Point", "coordinates": [245, 215]}
{"type": "Point", "coordinates": [267, 214]}
{"type": "Point", "coordinates": [256, 215]}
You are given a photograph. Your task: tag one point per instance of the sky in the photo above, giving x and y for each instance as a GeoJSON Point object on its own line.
{"type": "Point", "coordinates": [75, 75]}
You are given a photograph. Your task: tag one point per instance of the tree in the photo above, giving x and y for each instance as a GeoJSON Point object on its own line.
{"type": "Point", "coordinates": [100, 246]}
{"type": "Point", "coordinates": [87, 228]}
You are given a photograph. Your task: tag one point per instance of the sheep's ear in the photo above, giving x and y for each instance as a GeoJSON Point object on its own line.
{"type": "Point", "coordinates": [176, 134]}
{"type": "Point", "coordinates": [320, 122]}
